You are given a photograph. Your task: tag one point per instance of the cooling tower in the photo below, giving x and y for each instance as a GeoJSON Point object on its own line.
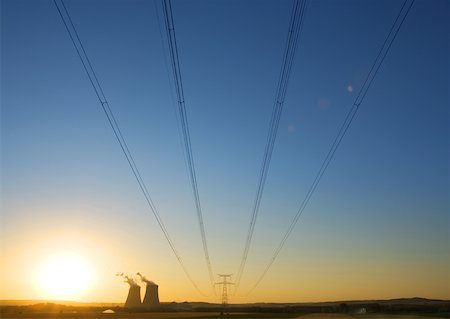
{"type": "Point", "coordinates": [134, 297]}
{"type": "Point", "coordinates": [151, 298]}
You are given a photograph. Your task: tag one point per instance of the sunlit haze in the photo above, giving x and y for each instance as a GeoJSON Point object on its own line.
{"type": "Point", "coordinates": [65, 276]}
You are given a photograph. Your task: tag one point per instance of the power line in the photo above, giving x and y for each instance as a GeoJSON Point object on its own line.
{"type": "Point", "coordinates": [401, 16]}
{"type": "Point", "coordinates": [87, 65]}
{"type": "Point", "coordinates": [173, 48]}
{"type": "Point", "coordinates": [295, 26]}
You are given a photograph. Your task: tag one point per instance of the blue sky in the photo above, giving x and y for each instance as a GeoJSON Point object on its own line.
{"type": "Point", "coordinates": [384, 198]}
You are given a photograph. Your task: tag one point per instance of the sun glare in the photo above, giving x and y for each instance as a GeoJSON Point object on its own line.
{"type": "Point", "coordinates": [64, 277]}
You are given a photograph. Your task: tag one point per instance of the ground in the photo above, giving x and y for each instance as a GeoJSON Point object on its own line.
{"type": "Point", "coordinates": [203, 315]}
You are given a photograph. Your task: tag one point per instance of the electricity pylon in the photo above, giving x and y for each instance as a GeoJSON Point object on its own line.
{"type": "Point", "coordinates": [224, 284]}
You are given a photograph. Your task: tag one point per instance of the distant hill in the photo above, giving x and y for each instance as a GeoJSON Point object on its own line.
{"type": "Point", "coordinates": [404, 301]}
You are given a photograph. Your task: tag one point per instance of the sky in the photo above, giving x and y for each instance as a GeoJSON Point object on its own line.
{"type": "Point", "coordinates": [377, 227]}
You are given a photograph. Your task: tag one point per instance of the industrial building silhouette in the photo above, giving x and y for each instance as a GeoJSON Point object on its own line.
{"type": "Point", "coordinates": [134, 297]}
{"type": "Point", "coordinates": [151, 297]}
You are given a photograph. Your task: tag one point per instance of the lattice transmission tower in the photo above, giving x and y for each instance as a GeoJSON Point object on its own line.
{"type": "Point", "coordinates": [225, 283]}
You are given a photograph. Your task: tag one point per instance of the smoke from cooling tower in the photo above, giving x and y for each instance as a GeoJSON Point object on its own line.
{"type": "Point", "coordinates": [144, 279]}
{"type": "Point", "coordinates": [129, 280]}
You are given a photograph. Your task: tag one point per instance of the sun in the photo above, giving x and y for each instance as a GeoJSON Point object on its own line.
{"type": "Point", "coordinates": [64, 277]}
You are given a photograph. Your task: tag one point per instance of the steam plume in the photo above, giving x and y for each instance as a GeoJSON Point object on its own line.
{"type": "Point", "coordinates": [144, 279]}
{"type": "Point", "coordinates": [129, 280]}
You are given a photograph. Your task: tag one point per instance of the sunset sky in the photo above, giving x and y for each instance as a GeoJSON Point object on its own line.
{"type": "Point", "coordinates": [72, 213]}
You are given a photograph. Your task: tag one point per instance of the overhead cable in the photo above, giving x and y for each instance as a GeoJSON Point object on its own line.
{"type": "Point", "coordinates": [295, 27]}
{"type": "Point", "coordinates": [176, 69]}
{"type": "Point", "coordinates": [87, 65]}
{"type": "Point", "coordinates": [401, 16]}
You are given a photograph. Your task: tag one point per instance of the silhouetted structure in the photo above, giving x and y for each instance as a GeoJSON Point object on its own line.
{"type": "Point", "coordinates": [134, 297]}
{"type": "Point", "coordinates": [224, 284]}
{"type": "Point", "coordinates": [134, 293]}
{"type": "Point", "coordinates": [151, 298]}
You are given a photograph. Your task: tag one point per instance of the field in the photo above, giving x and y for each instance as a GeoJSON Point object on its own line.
{"type": "Point", "coordinates": [197, 315]}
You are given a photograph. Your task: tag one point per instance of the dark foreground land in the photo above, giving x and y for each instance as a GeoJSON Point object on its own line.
{"type": "Point", "coordinates": [412, 308]}
{"type": "Point", "coordinates": [208, 316]}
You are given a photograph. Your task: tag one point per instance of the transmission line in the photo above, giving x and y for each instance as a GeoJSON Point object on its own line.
{"type": "Point", "coordinates": [401, 16]}
{"type": "Point", "coordinates": [172, 42]}
{"type": "Point", "coordinates": [295, 27]}
{"type": "Point", "coordinates": [87, 65]}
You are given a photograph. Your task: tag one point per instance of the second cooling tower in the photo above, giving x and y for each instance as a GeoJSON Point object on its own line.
{"type": "Point", "coordinates": [151, 298]}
